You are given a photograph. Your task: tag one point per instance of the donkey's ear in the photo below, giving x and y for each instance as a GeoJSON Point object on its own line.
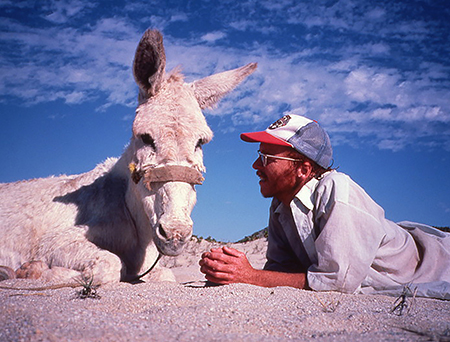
{"type": "Point", "coordinates": [210, 90]}
{"type": "Point", "coordinates": [149, 64]}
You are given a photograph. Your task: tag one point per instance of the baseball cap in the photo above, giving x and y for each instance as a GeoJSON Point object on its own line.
{"type": "Point", "coordinates": [302, 134]}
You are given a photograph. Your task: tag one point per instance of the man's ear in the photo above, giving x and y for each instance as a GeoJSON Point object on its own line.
{"type": "Point", "coordinates": [304, 170]}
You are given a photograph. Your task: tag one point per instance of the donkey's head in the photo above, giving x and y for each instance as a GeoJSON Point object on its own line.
{"type": "Point", "coordinates": [165, 152]}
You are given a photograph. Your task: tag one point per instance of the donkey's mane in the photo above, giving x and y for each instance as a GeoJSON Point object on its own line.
{"type": "Point", "coordinates": [175, 75]}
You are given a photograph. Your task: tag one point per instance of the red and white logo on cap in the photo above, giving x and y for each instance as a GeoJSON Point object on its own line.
{"type": "Point", "coordinates": [279, 132]}
{"type": "Point", "coordinates": [280, 122]}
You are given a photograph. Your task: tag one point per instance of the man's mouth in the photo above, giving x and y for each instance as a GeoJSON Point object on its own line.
{"type": "Point", "coordinates": [262, 176]}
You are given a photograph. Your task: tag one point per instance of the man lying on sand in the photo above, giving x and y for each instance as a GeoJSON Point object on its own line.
{"type": "Point", "coordinates": [325, 232]}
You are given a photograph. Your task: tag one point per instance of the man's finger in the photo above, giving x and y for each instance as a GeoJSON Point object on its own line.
{"type": "Point", "coordinates": [217, 281]}
{"type": "Point", "coordinates": [218, 277]}
{"type": "Point", "coordinates": [232, 251]}
{"type": "Point", "coordinates": [205, 255]}
{"type": "Point", "coordinates": [224, 258]}
{"type": "Point", "coordinates": [216, 250]}
{"type": "Point", "coordinates": [215, 265]}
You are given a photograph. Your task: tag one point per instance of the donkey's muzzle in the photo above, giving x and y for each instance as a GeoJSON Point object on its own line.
{"type": "Point", "coordinates": [170, 241]}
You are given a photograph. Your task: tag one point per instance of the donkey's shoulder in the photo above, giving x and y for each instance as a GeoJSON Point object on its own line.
{"type": "Point", "coordinates": [83, 179]}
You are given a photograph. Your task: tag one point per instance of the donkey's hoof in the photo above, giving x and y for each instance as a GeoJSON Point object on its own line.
{"type": "Point", "coordinates": [31, 270]}
{"type": "Point", "coordinates": [6, 273]}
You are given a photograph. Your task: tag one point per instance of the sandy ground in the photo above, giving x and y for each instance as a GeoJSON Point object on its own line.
{"type": "Point", "coordinates": [190, 310]}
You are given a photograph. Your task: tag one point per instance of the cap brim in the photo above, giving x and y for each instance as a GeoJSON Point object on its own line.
{"type": "Point", "coordinates": [263, 137]}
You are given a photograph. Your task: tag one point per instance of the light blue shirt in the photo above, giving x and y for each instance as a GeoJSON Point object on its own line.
{"type": "Point", "coordinates": [336, 233]}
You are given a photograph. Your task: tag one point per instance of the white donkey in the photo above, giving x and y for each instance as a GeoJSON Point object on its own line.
{"type": "Point", "coordinates": [112, 223]}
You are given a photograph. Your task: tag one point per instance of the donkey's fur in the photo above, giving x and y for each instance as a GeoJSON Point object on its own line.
{"type": "Point", "coordinates": [110, 223]}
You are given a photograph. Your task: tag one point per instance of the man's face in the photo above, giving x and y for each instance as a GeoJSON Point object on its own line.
{"type": "Point", "coordinates": [279, 177]}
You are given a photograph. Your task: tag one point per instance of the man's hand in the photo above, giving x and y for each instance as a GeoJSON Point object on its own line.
{"type": "Point", "coordinates": [226, 265]}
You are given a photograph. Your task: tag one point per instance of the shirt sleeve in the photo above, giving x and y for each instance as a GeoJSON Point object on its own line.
{"type": "Point", "coordinates": [350, 234]}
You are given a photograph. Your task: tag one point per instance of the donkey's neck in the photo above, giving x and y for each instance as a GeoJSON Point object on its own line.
{"type": "Point", "coordinates": [134, 198]}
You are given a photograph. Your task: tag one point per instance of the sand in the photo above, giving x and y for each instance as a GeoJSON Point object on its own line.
{"type": "Point", "coordinates": [191, 310]}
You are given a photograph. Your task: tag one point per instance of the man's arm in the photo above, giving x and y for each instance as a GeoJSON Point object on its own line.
{"type": "Point", "coordinates": [227, 265]}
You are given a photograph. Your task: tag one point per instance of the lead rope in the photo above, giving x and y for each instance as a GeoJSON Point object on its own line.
{"type": "Point", "coordinates": [146, 272]}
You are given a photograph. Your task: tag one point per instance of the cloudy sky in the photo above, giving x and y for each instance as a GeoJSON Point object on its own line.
{"type": "Point", "coordinates": [375, 74]}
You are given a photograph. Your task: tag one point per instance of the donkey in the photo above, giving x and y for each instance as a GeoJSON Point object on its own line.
{"type": "Point", "coordinates": [113, 222]}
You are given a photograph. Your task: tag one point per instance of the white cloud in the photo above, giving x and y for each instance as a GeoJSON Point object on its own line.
{"type": "Point", "coordinates": [365, 84]}
{"type": "Point", "coordinates": [74, 97]}
{"type": "Point", "coordinates": [379, 49]}
{"type": "Point", "coordinates": [242, 25]}
{"type": "Point", "coordinates": [348, 87]}
{"type": "Point", "coordinates": [376, 13]}
{"type": "Point", "coordinates": [69, 62]}
{"type": "Point", "coordinates": [212, 37]}
{"type": "Point", "coordinates": [384, 114]}
{"type": "Point", "coordinates": [179, 17]}
{"type": "Point", "coordinates": [63, 10]}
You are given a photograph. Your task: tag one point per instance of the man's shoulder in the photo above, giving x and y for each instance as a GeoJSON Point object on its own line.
{"type": "Point", "coordinates": [334, 185]}
{"type": "Point", "coordinates": [334, 178]}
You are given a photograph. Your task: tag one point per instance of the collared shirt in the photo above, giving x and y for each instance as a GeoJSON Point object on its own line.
{"type": "Point", "coordinates": [336, 233]}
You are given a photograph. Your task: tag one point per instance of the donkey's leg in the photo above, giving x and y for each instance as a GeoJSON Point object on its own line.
{"type": "Point", "coordinates": [158, 273]}
{"type": "Point", "coordinates": [104, 267]}
{"type": "Point", "coordinates": [39, 270]}
{"type": "Point", "coordinates": [31, 269]}
{"type": "Point", "coordinates": [75, 253]}
{"type": "Point", "coordinates": [6, 273]}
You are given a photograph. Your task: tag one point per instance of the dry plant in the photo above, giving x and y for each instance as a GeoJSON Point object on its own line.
{"type": "Point", "coordinates": [333, 304]}
{"type": "Point", "coordinates": [431, 336]}
{"type": "Point", "coordinates": [401, 303]}
{"type": "Point", "coordinates": [89, 289]}
{"type": "Point", "coordinates": [329, 306]}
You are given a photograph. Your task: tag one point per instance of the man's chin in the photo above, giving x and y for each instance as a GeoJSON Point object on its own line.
{"type": "Point", "coordinates": [264, 192]}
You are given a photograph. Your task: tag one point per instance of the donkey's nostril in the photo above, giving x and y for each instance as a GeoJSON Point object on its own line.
{"type": "Point", "coordinates": [162, 232]}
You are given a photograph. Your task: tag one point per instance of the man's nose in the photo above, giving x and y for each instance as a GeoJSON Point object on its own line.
{"type": "Point", "coordinates": [257, 164]}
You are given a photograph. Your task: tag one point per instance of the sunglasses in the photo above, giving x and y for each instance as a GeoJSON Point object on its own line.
{"type": "Point", "coordinates": [264, 157]}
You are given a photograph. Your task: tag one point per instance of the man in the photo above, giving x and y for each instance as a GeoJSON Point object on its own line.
{"type": "Point", "coordinates": [325, 232]}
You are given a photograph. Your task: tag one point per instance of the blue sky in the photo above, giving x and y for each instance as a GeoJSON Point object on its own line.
{"type": "Point", "coordinates": [376, 75]}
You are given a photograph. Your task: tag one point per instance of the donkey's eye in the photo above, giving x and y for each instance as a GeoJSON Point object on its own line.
{"type": "Point", "coordinates": [200, 143]}
{"type": "Point", "coordinates": [148, 140]}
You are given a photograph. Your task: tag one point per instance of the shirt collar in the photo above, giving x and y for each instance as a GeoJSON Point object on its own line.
{"type": "Point", "coordinates": [304, 196]}
{"type": "Point", "coordinates": [306, 192]}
